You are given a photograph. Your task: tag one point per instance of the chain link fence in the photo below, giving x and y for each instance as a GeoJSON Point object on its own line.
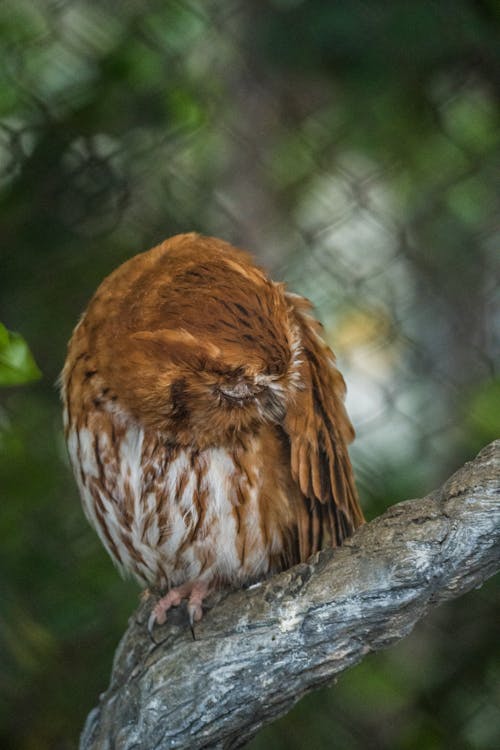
{"type": "Point", "coordinates": [355, 151]}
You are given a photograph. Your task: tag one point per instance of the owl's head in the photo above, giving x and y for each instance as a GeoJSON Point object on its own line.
{"type": "Point", "coordinates": [199, 347]}
{"type": "Point", "coordinates": [195, 391]}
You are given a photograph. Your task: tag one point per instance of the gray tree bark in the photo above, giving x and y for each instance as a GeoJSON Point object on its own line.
{"type": "Point", "coordinates": [259, 650]}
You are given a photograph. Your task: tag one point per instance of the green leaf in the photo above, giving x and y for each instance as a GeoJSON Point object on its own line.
{"type": "Point", "coordinates": [17, 364]}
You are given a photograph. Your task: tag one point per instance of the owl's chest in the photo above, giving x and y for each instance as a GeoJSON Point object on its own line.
{"type": "Point", "coordinates": [171, 515]}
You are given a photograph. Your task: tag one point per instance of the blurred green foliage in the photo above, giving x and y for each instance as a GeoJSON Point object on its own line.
{"type": "Point", "coordinates": [16, 361]}
{"type": "Point", "coordinates": [356, 147]}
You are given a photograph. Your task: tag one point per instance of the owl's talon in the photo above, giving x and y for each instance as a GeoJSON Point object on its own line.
{"type": "Point", "coordinates": [157, 617]}
{"type": "Point", "coordinates": [195, 612]}
{"type": "Point", "coordinates": [151, 623]}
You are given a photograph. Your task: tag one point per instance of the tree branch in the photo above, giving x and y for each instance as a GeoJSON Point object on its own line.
{"type": "Point", "coordinates": [260, 649]}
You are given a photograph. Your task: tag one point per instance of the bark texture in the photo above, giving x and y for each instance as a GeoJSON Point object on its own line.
{"type": "Point", "coordinates": [259, 650]}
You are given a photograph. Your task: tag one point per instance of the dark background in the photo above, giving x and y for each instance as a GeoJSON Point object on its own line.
{"type": "Point", "coordinates": [354, 148]}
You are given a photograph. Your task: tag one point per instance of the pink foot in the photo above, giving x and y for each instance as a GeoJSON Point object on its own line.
{"type": "Point", "coordinates": [194, 591]}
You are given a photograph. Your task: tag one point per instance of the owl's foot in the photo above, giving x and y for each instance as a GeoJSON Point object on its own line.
{"type": "Point", "coordinates": [194, 591]}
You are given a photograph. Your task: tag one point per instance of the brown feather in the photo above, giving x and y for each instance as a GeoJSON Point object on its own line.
{"type": "Point", "coordinates": [319, 429]}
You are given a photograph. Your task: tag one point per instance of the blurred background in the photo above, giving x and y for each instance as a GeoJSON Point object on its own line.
{"type": "Point", "coordinates": [354, 147]}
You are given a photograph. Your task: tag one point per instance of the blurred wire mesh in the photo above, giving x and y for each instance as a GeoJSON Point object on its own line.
{"type": "Point", "coordinates": [355, 149]}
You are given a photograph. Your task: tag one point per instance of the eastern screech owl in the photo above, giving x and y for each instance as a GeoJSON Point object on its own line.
{"type": "Point", "coordinates": [205, 423]}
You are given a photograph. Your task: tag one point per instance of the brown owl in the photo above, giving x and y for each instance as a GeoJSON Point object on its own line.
{"type": "Point", "coordinates": [205, 423]}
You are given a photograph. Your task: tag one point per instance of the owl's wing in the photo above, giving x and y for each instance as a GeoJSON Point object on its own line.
{"type": "Point", "coordinates": [319, 431]}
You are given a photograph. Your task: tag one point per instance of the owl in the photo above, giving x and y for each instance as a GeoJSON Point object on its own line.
{"type": "Point", "coordinates": [205, 423]}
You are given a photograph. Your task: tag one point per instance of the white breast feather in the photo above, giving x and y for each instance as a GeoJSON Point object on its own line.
{"type": "Point", "coordinates": [219, 526]}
